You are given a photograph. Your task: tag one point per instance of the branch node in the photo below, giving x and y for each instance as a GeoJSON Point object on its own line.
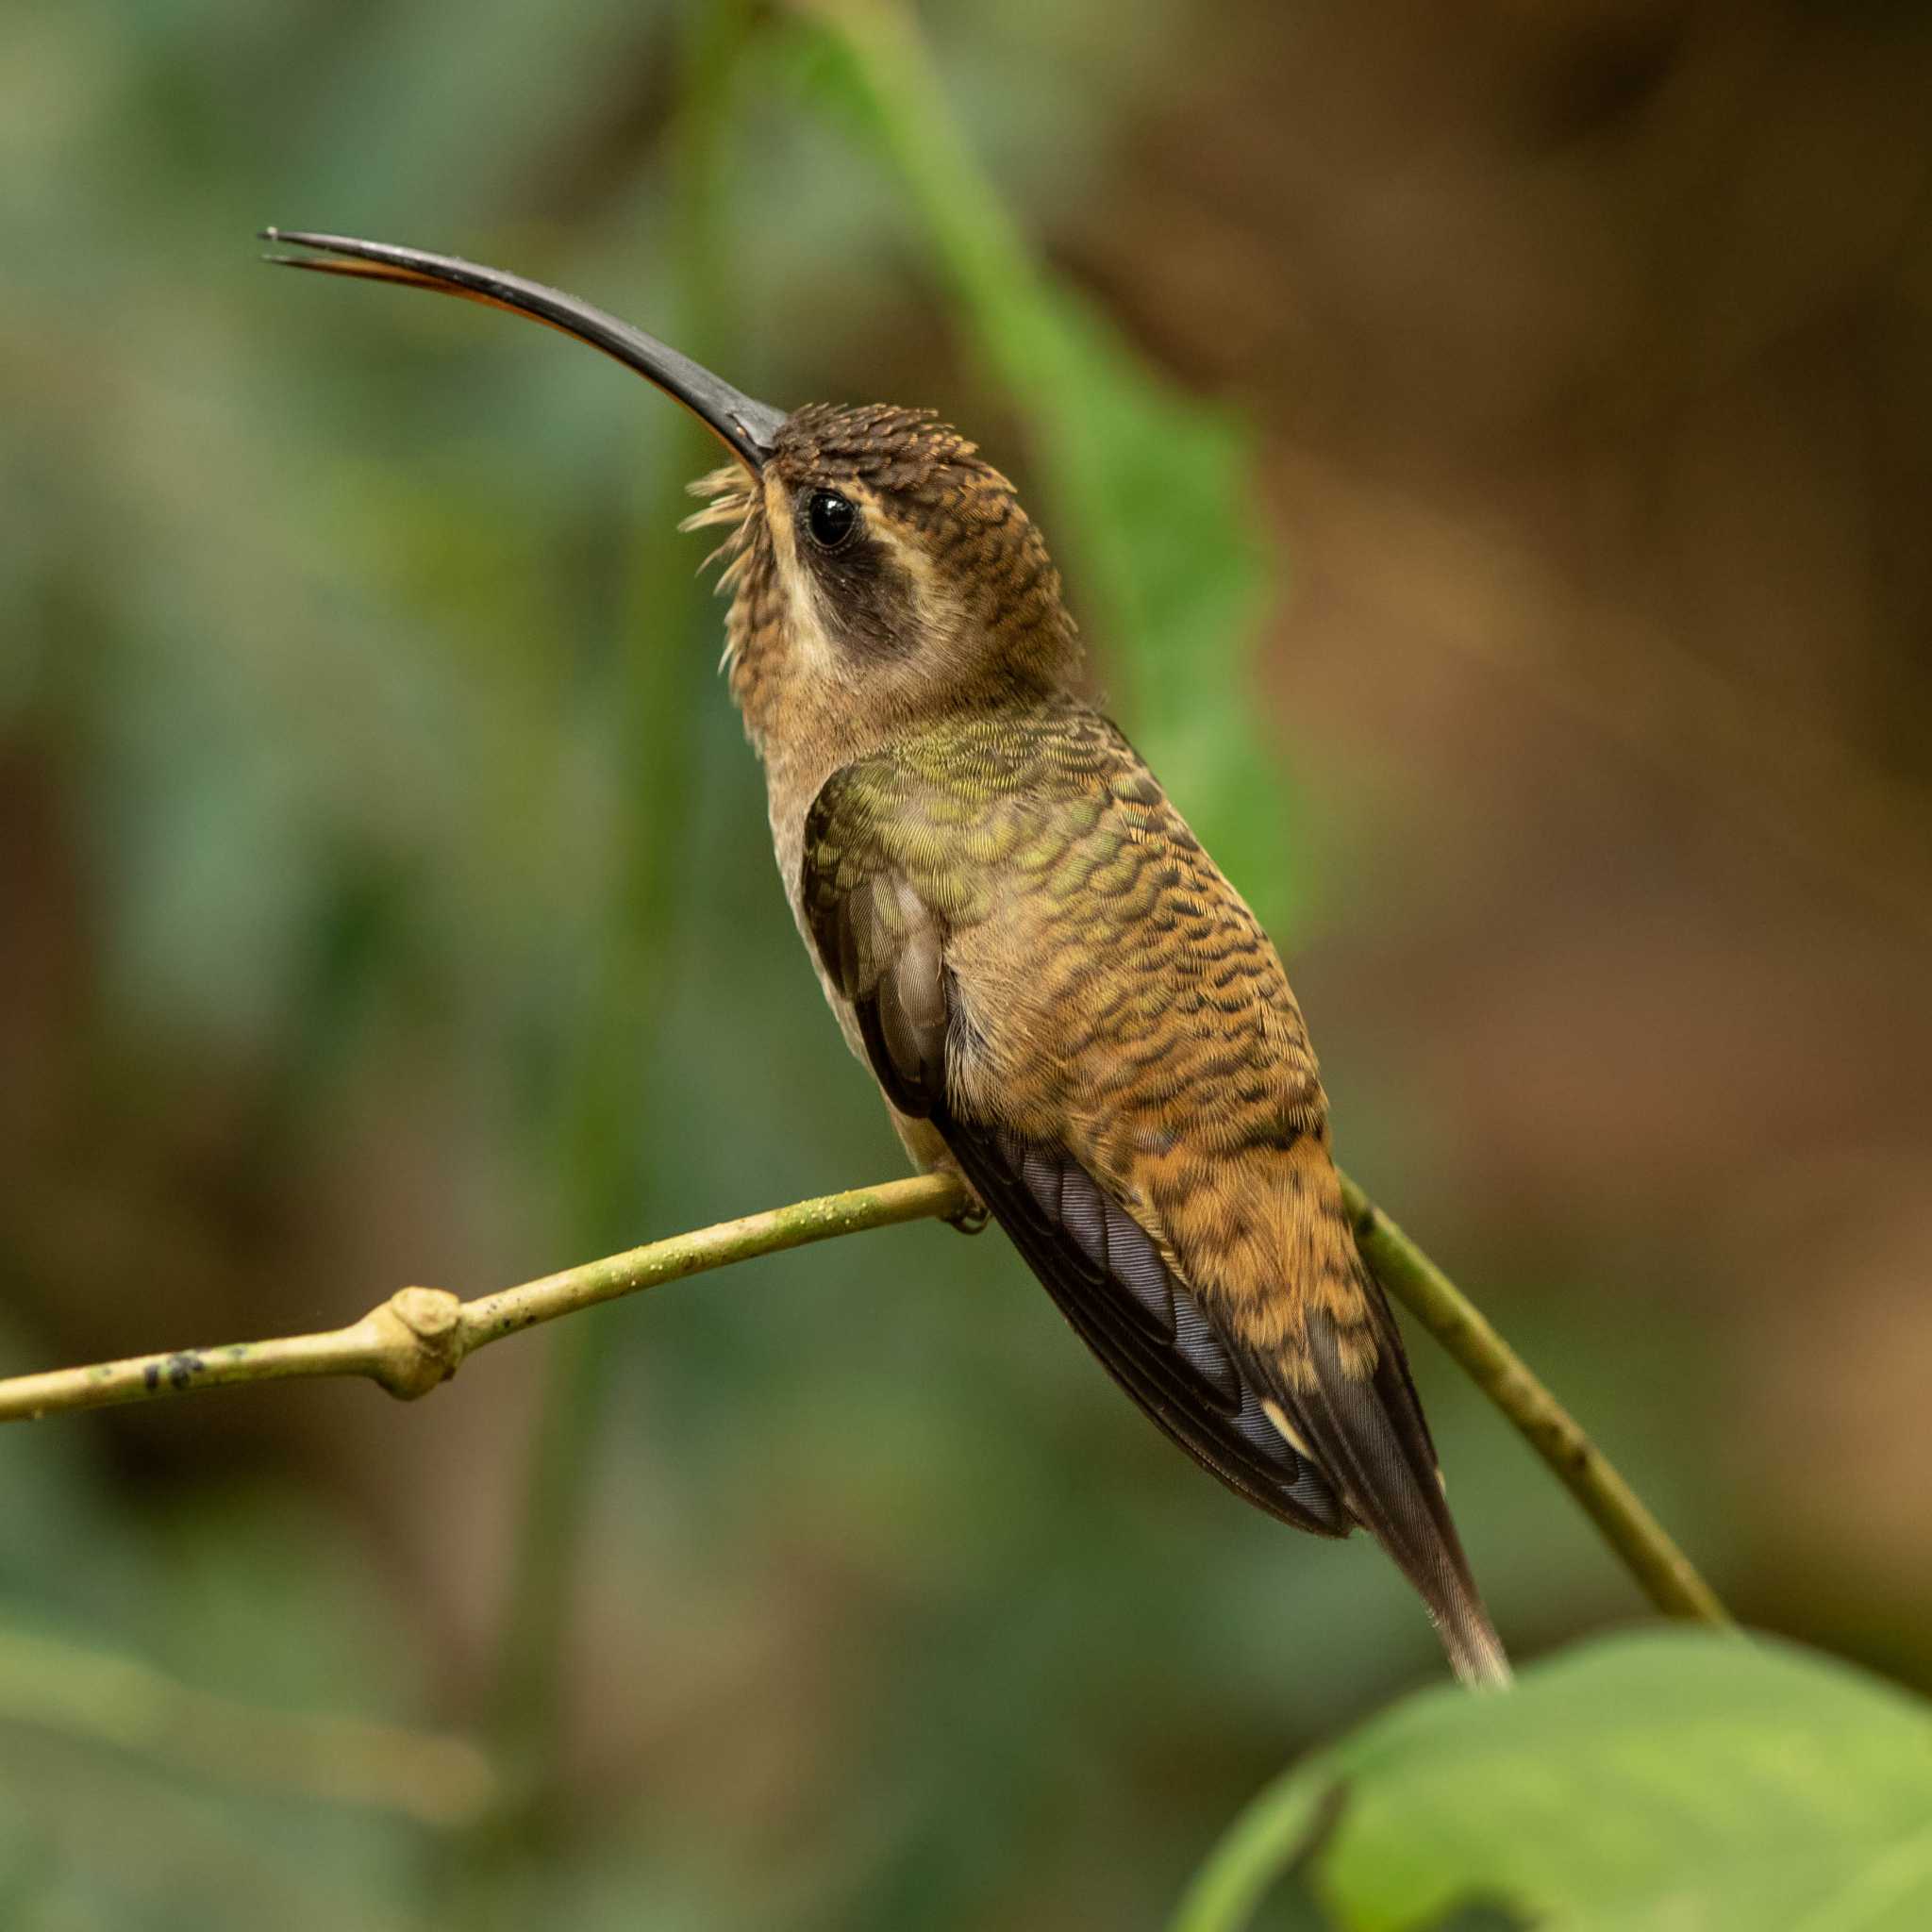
{"type": "Point", "coordinates": [419, 1337]}
{"type": "Point", "coordinates": [419, 1341]}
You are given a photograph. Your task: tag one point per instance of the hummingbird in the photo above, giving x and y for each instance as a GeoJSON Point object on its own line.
{"type": "Point", "coordinates": [1064, 1001]}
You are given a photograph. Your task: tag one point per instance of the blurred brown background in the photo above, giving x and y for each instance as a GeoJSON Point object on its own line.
{"type": "Point", "coordinates": [385, 896]}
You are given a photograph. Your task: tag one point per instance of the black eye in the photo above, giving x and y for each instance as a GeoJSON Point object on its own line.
{"type": "Point", "coordinates": [830, 518]}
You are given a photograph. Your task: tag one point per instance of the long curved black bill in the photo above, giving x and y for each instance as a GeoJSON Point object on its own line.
{"type": "Point", "coordinates": [744, 427]}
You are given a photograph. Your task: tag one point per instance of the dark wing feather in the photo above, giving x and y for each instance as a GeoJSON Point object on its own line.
{"type": "Point", "coordinates": [1148, 1331]}
{"type": "Point", "coordinates": [883, 947]}
{"type": "Point", "coordinates": [1370, 1435]}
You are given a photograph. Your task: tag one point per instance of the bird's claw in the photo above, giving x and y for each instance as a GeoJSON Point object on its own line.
{"type": "Point", "coordinates": [970, 1219]}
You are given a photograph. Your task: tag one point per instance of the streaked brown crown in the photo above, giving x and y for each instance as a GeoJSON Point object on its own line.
{"type": "Point", "coordinates": [945, 596]}
{"type": "Point", "coordinates": [906, 453]}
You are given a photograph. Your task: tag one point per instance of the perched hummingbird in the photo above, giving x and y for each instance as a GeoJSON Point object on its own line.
{"type": "Point", "coordinates": [1064, 1001]}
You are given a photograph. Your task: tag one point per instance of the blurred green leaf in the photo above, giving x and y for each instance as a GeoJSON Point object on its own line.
{"type": "Point", "coordinates": [1156, 486]}
{"type": "Point", "coordinates": [1684, 1780]}
{"type": "Point", "coordinates": [193, 1756]}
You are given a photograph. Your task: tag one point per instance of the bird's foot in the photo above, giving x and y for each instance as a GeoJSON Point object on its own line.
{"type": "Point", "coordinates": [971, 1218]}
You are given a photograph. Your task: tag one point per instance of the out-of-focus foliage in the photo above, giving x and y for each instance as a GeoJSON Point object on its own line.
{"type": "Point", "coordinates": [385, 895]}
{"type": "Point", "coordinates": [1700, 1782]}
{"type": "Point", "coordinates": [1157, 488]}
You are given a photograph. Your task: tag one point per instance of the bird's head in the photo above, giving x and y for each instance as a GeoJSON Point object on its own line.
{"type": "Point", "coordinates": [881, 571]}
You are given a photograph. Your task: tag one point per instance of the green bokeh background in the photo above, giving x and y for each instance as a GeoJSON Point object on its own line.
{"type": "Point", "coordinates": [1532, 413]}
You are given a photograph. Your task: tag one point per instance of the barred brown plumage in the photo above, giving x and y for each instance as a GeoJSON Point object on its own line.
{"type": "Point", "coordinates": [1059, 994]}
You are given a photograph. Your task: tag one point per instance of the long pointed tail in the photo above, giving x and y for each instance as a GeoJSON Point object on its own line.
{"type": "Point", "coordinates": [1368, 1430]}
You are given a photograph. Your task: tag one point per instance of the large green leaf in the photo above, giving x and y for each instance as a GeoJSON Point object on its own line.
{"type": "Point", "coordinates": [1669, 1782]}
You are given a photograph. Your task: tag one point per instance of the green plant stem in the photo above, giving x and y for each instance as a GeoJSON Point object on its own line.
{"type": "Point", "coordinates": [1250, 1858]}
{"type": "Point", "coordinates": [1495, 1368]}
{"type": "Point", "coordinates": [1151, 491]}
{"type": "Point", "coordinates": [420, 1337]}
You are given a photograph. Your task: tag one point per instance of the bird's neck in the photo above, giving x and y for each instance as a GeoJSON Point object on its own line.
{"type": "Point", "coordinates": [810, 711]}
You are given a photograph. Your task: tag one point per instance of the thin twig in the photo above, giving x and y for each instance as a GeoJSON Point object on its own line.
{"type": "Point", "coordinates": [421, 1336]}
{"type": "Point", "coordinates": [1495, 1368]}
